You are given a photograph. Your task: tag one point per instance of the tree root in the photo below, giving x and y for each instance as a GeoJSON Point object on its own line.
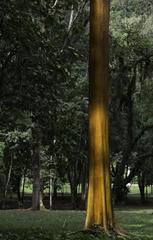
{"type": "Point", "coordinates": [109, 231]}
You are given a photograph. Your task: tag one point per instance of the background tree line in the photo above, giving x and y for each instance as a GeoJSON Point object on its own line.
{"type": "Point", "coordinates": [44, 96]}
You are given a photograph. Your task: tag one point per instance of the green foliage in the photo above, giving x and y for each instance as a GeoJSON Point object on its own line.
{"type": "Point", "coordinates": [43, 76]}
{"type": "Point", "coordinates": [131, 62]}
{"type": "Point", "coordinates": [48, 70]}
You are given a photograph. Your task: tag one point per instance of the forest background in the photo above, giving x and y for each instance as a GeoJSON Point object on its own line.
{"type": "Point", "coordinates": [44, 101]}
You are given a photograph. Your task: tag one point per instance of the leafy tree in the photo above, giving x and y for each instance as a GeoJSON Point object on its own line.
{"type": "Point", "coordinates": [131, 56]}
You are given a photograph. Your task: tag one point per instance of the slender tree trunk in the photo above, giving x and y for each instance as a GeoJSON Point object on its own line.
{"type": "Point", "coordinates": [50, 192]}
{"type": "Point", "coordinates": [99, 206]}
{"type": "Point", "coordinates": [72, 175]}
{"type": "Point", "coordinates": [74, 195]}
{"type": "Point", "coordinates": [36, 169]}
{"type": "Point", "coordinates": [119, 188]}
{"type": "Point", "coordinates": [8, 181]}
{"type": "Point", "coordinates": [83, 191]}
{"type": "Point", "coordinates": [83, 188]}
{"type": "Point", "coordinates": [18, 185]}
{"type": "Point", "coordinates": [55, 188]}
{"type": "Point", "coordinates": [23, 187]}
{"type": "Point", "coordinates": [42, 206]}
{"type": "Point", "coordinates": [84, 182]}
{"type": "Point", "coordinates": [71, 18]}
{"type": "Point", "coordinates": [146, 192]}
{"type": "Point", "coordinates": [151, 189]}
{"type": "Point", "coordinates": [141, 183]}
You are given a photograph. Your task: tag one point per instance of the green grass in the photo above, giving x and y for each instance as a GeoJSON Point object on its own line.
{"type": "Point", "coordinates": [45, 225]}
{"type": "Point", "coordinates": [134, 189]}
{"type": "Point", "coordinates": [138, 222]}
{"type": "Point", "coordinates": [64, 188]}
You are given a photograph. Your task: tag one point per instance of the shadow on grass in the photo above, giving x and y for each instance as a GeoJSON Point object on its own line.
{"type": "Point", "coordinates": [64, 236]}
{"type": "Point", "coordinates": [56, 225]}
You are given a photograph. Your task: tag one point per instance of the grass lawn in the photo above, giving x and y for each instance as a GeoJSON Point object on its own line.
{"type": "Point", "coordinates": [45, 225]}
{"type": "Point", "coordinates": [134, 189]}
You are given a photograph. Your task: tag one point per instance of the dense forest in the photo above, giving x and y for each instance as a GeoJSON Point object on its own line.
{"type": "Point", "coordinates": [44, 99]}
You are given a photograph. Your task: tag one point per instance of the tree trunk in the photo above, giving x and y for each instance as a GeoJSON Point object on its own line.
{"type": "Point", "coordinates": [23, 187]}
{"type": "Point", "coordinates": [73, 180]}
{"type": "Point", "coordinates": [146, 192]}
{"type": "Point", "coordinates": [42, 206]}
{"type": "Point", "coordinates": [8, 181]}
{"type": "Point", "coordinates": [55, 188]}
{"type": "Point", "coordinates": [83, 189]}
{"type": "Point", "coordinates": [119, 187]}
{"type": "Point", "coordinates": [74, 195]}
{"type": "Point", "coordinates": [18, 185]}
{"type": "Point", "coordinates": [99, 205]}
{"type": "Point", "coordinates": [141, 183]}
{"type": "Point", "coordinates": [83, 182]}
{"type": "Point", "coordinates": [36, 169]}
{"type": "Point", "coordinates": [50, 192]}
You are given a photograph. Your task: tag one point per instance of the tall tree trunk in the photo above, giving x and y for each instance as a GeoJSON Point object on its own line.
{"type": "Point", "coordinates": [55, 188]}
{"type": "Point", "coordinates": [83, 185]}
{"type": "Point", "coordinates": [50, 192]}
{"type": "Point", "coordinates": [72, 175]}
{"type": "Point", "coordinates": [18, 185]}
{"type": "Point", "coordinates": [42, 206]}
{"type": "Point", "coordinates": [36, 169]}
{"type": "Point", "coordinates": [74, 195]}
{"type": "Point", "coordinates": [141, 183]}
{"type": "Point", "coordinates": [119, 187]}
{"type": "Point", "coordinates": [99, 206]}
{"type": "Point", "coordinates": [8, 181]}
{"type": "Point", "coordinates": [23, 187]}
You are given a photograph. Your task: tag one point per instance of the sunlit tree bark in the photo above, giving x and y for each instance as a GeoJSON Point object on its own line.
{"type": "Point", "coordinates": [99, 205]}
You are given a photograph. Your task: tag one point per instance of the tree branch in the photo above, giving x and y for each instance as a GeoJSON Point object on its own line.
{"type": "Point", "coordinates": [128, 151]}
{"type": "Point", "coordinates": [71, 18]}
{"type": "Point", "coordinates": [55, 3]}
{"type": "Point", "coordinates": [143, 59]}
{"type": "Point", "coordinates": [139, 163]}
{"type": "Point", "coordinates": [146, 128]}
{"type": "Point", "coordinates": [84, 2]}
{"type": "Point", "coordinates": [8, 58]}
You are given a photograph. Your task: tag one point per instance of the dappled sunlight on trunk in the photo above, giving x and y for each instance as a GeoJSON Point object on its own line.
{"type": "Point", "coordinates": [99, 205]}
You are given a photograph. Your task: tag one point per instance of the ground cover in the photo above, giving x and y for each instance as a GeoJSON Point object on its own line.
{"type": "Point", "coordinates": [50, 225]}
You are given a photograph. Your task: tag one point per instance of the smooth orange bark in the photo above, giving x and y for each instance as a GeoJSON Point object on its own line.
{"type": "Point", "coordinates": [99, 204]}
